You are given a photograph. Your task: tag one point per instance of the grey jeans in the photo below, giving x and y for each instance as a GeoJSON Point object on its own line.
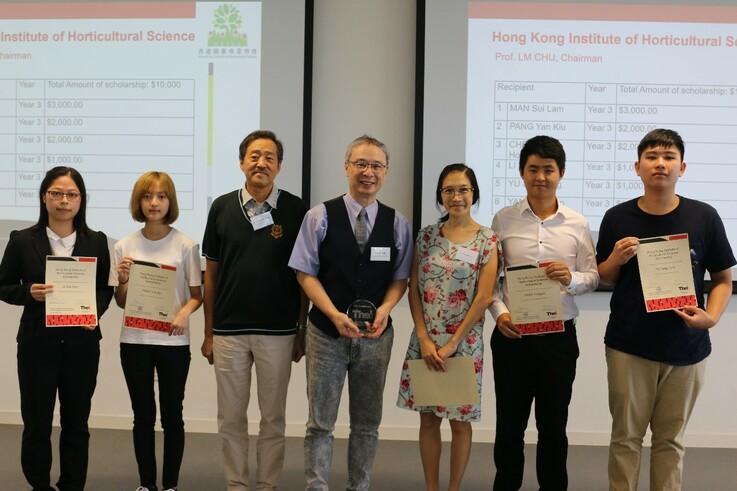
{"type": "Point", "coordinates": [328, 360]}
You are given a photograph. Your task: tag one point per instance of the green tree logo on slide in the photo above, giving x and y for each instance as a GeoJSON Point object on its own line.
{"type": "Point", "coordinates": [226, 22]}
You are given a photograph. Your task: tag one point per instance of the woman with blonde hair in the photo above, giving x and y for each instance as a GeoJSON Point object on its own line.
{"type": "Point", "coordinates": [149, 354]}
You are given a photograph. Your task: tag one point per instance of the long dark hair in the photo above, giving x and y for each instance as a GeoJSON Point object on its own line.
{"type": "Point", "coordinates": [459, 167]}
{"type": "Point", "coordinates": [80, 219]}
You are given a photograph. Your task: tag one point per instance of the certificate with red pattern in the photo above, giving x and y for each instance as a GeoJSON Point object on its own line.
{"type": "Point", "coordinates": [534, 299]}
{"type": "Point", "coordinates": [149, 302]}
{"type": "Point", "coordinates": [73, 301]}
{"type": "Point", "coordinates": [666, 273]}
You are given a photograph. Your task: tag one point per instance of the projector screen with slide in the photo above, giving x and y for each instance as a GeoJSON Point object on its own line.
{"type": "Point", "coordinates": [597, 77]}
{"type": "Point", "coordinates": [116, 89]}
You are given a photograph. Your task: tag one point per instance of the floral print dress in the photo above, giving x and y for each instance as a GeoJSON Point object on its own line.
{"type": "Point", "coordinates": [447, 287]}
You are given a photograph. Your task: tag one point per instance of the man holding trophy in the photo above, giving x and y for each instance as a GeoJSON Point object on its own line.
{"type": "Point", "coordinates": [352, 257]}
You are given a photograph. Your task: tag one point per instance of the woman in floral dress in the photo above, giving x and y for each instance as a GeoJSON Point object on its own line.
{"type": "Point", "coordinates": [451, 285]}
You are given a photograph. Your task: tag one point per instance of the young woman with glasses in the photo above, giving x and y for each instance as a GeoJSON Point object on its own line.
{"type": "Point", "coordinates": [55, 361]}
{"type": "Point", "coordinates": [450, 288]}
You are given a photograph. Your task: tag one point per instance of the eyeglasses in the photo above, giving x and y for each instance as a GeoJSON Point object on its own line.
{"type": "Point", "coordinates": [450, 191]}
{"type": "Point", "coordinates": [362, 165]}
{"type": "Point", "coordinates": [72, 196]}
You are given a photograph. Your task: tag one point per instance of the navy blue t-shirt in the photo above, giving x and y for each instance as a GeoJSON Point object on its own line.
{"type": "Point", "coordinates": [661, 336]}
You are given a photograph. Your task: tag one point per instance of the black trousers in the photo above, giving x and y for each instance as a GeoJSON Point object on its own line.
{"type": "Point", "coordinates": [542, 368]}
{"type": "Point", "coordinates": [69, 371]}
{"type": "Point", "coordinates": [171, 366]}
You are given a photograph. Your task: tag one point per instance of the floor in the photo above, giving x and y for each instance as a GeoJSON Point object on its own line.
{"type": "Point", "coordinates": [397, 466]}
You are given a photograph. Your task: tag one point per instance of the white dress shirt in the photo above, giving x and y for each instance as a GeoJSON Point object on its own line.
{"type": "Point", "coordinates": [61, 246]}
{"type": "Point", "coordinates": [527, 239]}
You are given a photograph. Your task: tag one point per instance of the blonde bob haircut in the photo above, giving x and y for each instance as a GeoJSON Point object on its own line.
{"type": "Point", "coordinates": [143, 185]}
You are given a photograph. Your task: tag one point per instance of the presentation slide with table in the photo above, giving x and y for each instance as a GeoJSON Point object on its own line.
{"type": "Point", "coordinates": [118, 89]}
{"type": "Point", "coordinates": [598, 78]}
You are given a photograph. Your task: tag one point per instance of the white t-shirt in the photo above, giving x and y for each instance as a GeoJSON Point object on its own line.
{"type": "Point", "coordinates": [176, 249]}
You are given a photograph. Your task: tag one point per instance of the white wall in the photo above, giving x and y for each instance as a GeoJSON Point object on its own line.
{"type": "Point", "coordinates": [364, 82]}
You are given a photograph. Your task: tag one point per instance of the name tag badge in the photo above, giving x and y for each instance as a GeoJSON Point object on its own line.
{"type": "Point", "coordinates": [467, 255]}
{"type": "Point", "coordinates": [262, 220]}
{"type": "Point", "coordinates": [381, 253]}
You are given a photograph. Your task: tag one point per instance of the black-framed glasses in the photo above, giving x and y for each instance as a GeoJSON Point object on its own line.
{"type": "Point", "coordinates": [72, 196]}
{"type": "Point", "coordinates": [362, 165]}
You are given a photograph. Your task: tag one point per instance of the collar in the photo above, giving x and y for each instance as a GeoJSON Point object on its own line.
{"type": "Point", "coordinates": [354, 207]}
{"type": "Point", "coordinates": [67, 241]}
{"type": "Point", "coordinates": [523, 206]}
{"type": "Point", "coordinates": [271, 199]}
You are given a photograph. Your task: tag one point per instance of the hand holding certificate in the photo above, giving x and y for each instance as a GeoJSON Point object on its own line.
{"type": "Point", "coordinates": [666, 273]}
{"type": "Point", "coordinates": [150, 299]}
{"type": "Point", "coordinates": [73, 301]}
{"type": "Point", "coordinates": [534, 300]}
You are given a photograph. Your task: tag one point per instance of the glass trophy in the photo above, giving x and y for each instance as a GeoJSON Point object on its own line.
{"type": "Point", "coordinates": [362, 313]}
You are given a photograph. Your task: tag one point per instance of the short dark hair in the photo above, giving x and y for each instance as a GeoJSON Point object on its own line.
{"type": "Point", "coordinates": [458, 167]}
{"type": "Point", "coordinates": [80, 219]}
{"type": "Point", "coordinates": [143, 185]}
{"type": "Point", "coordinates": [661, 138]}
{"type": "Point", "coordinates": [545, 147]}
{"type": "Point", "coordinates": [258, 135]}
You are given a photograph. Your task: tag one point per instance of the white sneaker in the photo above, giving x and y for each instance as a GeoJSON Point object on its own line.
{"type": "Point", "coordinates": [171, 489]}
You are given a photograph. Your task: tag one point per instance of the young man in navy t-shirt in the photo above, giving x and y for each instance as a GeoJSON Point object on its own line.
{"type": "Point", "coordinates": [656, 361]}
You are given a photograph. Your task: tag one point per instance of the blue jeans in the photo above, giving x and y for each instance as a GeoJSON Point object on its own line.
{"type": "Point", "coordinates": [328, 361]}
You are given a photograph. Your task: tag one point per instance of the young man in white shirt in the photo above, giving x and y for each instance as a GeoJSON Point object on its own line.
{"type": "Point", "coordinates": [538, 229]}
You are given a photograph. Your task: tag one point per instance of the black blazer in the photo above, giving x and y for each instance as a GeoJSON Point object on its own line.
{"type": "Point", "coordinates": [24, 263]}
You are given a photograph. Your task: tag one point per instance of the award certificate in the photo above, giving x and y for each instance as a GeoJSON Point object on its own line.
{"type": "Point", "coordinates": [666, 273]}
{"type": "Point", "coordinates": [149, 302]}
{"type": "Point", "coordinates": [534, 300]}
{"type": "Point", "coordinates": [74, 300]}
{"type": "Point", "coordinates": [456, 386]}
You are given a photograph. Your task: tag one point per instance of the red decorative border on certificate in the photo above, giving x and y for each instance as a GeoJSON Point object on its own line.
{"type": "Point", "coordinates": [66, 320]}
{"type": "Point", "coordinates": [541, 327]}
{"type": "Point", "coordinates": [147, 324]}
{"type": "Point", "coordinates": [670, 303]}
